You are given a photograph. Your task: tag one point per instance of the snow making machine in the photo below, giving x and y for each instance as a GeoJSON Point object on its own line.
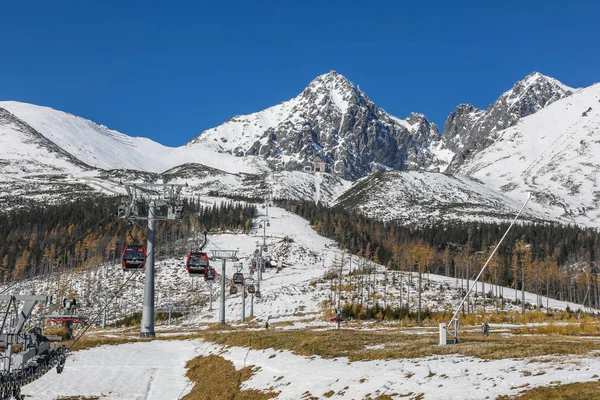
{"type": "Point", "coordinates": [37, 353]}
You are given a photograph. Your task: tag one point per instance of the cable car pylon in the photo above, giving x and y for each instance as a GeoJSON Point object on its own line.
{"type": "Point", "coordinates": [162, 203]}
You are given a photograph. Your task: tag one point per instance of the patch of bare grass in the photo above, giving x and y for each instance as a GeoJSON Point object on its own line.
{"type": "Point", "coordinates": [79, 398]}
{"type": "Point", "coordinates": [352, 343]}
{"type": "Point", "coordinates": [572, 391]}
{"type": "Point", "coordinates": [217, 379]}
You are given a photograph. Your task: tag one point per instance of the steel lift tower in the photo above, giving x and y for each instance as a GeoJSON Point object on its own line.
{"type": "Point", "coordinates": [150, 202]}
{"type": "Point", "coordinates": [223, 255]}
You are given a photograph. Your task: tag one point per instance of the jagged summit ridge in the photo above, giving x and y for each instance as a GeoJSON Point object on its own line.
{"type": "Point", "coordinates": [469, 130]}
{"type": "Point", "coordinates": [333, 119]}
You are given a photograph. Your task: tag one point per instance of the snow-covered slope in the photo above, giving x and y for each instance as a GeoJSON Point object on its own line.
{"type": "Point", "coordinates": [469, 130]}
{"type": "Point", "coordinates": [554, 155]}
{"type": "Point", "coordinates": [411, 197]}
{"type": "Point", "coordinates": [155, 370]}
{"type": "Point", "coordinates": [104, 148]}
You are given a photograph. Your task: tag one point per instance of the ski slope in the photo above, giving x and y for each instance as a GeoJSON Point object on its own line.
{"type": "Point", "coordinates": [156, 370]}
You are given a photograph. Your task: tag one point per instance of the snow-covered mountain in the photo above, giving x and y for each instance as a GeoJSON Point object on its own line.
{"type": "Point", "coordinates": [333, 119]}
{"type": "Point", "coordinates": [553, 154]}
{"type": "Point", "coordinates": [469, 129]}
{"type": "Point", "coordinates": [50, 156]}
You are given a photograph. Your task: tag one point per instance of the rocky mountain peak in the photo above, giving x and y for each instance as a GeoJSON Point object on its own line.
{"type": "Point", "coordinates": [332, 88]}
{"type": "Point", "coordinates": [468, 129]}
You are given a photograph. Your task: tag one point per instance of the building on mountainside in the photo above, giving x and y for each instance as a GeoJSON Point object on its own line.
{"type": "Point", "coordinates": [320, 165]}
{"type": "Point", "coordinates": [316, 165]}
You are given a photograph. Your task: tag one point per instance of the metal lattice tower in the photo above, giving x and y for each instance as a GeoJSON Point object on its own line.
{"type": "Point", "coordinates": [151, 202]}
{"type": "Point", "coordinates": [223, 255]}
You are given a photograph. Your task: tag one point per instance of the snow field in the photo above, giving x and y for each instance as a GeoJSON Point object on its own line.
{"type": "Point", "coordinates": [155, 370]}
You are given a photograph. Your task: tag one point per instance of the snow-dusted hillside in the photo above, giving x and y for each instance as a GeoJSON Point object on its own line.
{"type": "Point", "coordinates": [554, 155]}
{"type": "Point", "coordinates": [295, 294]}
{"type": "Point", "coordinates": [410, 197]}
{"type": "Point", "coordinates": [104, 148]}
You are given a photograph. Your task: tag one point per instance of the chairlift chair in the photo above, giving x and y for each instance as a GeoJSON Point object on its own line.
{"type": "Point", "coordinates": [133, 257]}
{"type": "Point", "coordinates": [197, 263]}
{"type": "Point", "coordinates": [238, 278]}
{"type": "Point", "coordinates": [233, 290]}
{"type": "Point", "coordinates": [210, 275]}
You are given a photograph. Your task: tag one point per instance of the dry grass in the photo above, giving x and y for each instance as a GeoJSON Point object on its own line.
{"type": "Point", "coordinates": [79, 398]}
{"type": "Point", "coordinates": [573, 391]}
{"type": "Point", "coordinates": [217, 379]}
{"type": "Point", "coordinates": [586, 326]}
{"type": "Point", "coordinates": [351, 344]}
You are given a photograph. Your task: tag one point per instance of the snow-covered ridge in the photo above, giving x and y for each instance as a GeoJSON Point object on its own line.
{"type": "Point", "coordinates": [101, 147]}
{"type": "Point", "coordinates": [553, 154]}
{"type": "Point", "coordinates": [334, 120]}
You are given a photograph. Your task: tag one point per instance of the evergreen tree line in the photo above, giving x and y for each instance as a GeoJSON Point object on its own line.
{"type": "Point", "coordinates": [552, 260]}
{"type": "Point", "coordinates": [87, 233]}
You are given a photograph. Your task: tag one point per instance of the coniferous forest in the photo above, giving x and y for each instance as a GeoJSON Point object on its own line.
{"type": "Point", "coordinates": [548, 259]}
{"type": "Point", "coordinates": [87, 233]}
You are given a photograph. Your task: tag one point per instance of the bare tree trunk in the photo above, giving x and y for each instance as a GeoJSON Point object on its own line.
{"type": "Point", "coordinates": [547, 293]}
{"type": "Point", "coordinates": [523, 289]}
{"type": "Point", "coordinates": [468, 287]}
{"type": "Point", "coordinates": [420, 278]}
{"type": "Point", "coordinates": [483, 294]}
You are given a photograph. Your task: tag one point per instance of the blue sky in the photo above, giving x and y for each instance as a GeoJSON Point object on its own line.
{"type": "Point", "coordinates": [169, 70]}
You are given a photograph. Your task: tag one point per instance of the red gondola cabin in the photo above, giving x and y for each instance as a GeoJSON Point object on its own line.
{"type": "Point", "coordinates": [133, 258]}
{"type": "Point", "coordinates": [210, 275]}
{"type": "Point", "coordinates": [238, 278]}
{"type": "Point", "coordinates": [197, 264]}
